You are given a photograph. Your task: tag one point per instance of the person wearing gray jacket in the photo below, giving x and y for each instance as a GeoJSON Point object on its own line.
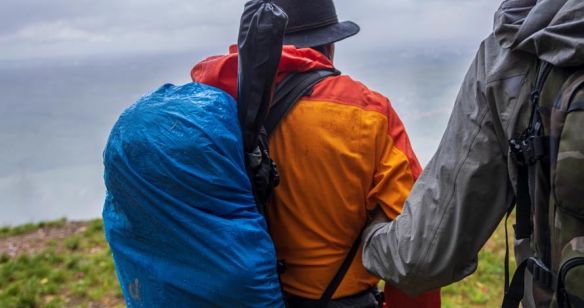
{"type": "Point", "coordinates": [471, 182]}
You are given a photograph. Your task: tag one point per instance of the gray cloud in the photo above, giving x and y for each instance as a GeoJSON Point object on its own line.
{"type": "Point", "coordinates": [102, 27]}
{"type": "Point", "coordinates": [54, 28]}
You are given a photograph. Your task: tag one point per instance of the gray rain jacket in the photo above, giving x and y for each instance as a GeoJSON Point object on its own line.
{"type": "Point", "coordinates": [469, 184]}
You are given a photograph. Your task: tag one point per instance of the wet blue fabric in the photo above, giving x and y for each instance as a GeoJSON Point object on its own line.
{"type": "Point", "coordinates": [179, 214]}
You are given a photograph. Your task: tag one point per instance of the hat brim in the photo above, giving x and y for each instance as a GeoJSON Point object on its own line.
{"type": "Point", "coordinates": [322, 36]}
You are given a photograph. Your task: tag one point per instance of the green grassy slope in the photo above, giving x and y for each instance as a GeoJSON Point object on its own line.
{"type": "Point", "coordinates": [77, 271]}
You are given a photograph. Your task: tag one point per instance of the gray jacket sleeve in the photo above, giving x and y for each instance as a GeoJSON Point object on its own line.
{"type": "Point", "coordinates": [455, 205]}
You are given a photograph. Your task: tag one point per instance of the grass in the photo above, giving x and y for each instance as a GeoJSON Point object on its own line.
{"type": "Point", "coordinates": [485, 287]}
{"type": "Point", "coordinates": [22, 229]}
{"type": "Point", "coordinates": [78, 272]}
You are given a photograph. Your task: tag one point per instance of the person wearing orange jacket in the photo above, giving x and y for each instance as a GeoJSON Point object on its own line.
{"type": "Point", "coordinates": [342, 152]}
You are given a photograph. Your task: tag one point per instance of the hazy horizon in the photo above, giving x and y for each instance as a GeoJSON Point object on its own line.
{"type": "Point", "coordinates": [68, 70]}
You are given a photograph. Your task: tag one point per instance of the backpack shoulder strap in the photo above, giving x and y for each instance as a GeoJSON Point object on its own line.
{"type": "Point", "coordinates": [330, 290]}
{"type": "Point", "coordinates": [523, 150]}
{"type": "Point", "coordinates": [287, 95]}
{"type": "Point", "coordinates": [290, 91]}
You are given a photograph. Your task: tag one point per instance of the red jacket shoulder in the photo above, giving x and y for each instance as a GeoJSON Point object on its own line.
{"type": "Point", "coordinates": [345, 90]}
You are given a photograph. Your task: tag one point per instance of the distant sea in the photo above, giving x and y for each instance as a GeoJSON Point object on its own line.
{"type": "Point", "coordinates": [55, 116]}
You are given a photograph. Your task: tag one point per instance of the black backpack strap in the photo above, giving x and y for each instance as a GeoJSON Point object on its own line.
{"type": "Point", "coordinates": [529, 156]}
{"type": "Point", "coordinates": [527, 149]}
{"type": "Point", "coordinates": [330, 290]}
{"type": "Point", "coordinates": [514, 294]}
{"type": "Point", "coordinates": [287, 95]}
{"type": "Point", "coordinates": [289, 91]}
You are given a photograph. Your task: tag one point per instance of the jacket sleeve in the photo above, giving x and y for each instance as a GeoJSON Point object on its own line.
{"type": "Point", "coordinates": [397, 166]}
{"type": "Point", "coordinates": [454, 206]}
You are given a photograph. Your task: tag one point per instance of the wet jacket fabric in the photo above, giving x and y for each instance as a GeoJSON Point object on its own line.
{"type": "Point", "coordinates": [470, 182]}
{"type": "Point", "coordinates": [341, 152]}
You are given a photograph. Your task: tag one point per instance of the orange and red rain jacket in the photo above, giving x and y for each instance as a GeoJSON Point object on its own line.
{"type": "Point", "coordinates": [341, 152]}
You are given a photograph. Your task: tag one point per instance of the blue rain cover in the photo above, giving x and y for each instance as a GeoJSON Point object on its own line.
{"type": "Point", "coordinates": [179, 214]}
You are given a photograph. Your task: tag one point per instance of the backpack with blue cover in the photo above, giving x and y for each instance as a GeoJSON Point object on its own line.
{"type": "Point", "coordinates": [181, 215]}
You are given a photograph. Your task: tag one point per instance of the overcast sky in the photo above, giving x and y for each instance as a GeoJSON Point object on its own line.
{"type": "Point", "coordinates": [69, 68]}
{"type": "Point", "coordinates": [56, 28]}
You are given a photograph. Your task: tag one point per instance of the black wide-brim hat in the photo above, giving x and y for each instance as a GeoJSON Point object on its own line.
{"type": "Point", "coordinates": [314, 23]}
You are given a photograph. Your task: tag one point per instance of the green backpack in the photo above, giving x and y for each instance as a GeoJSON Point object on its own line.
{"type": "Point", "coordinates": [567, 192]}
{"type": "Point", "coordinates": [550, 191]}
